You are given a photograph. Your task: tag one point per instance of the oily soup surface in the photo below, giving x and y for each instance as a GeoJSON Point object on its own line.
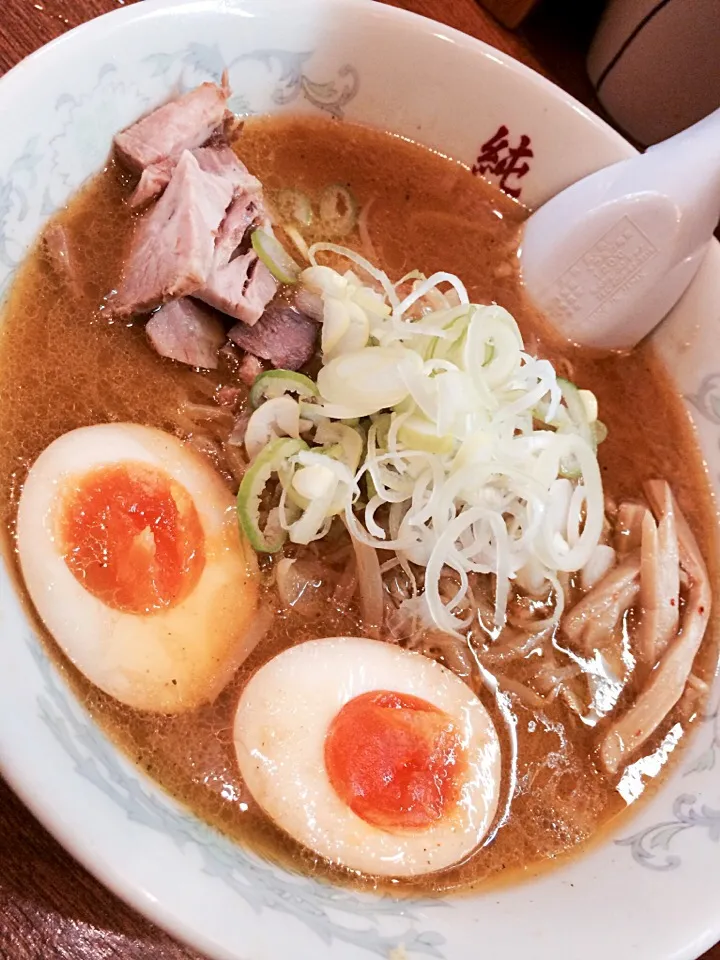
{"type": "Point", "coordinates": [63, 365]}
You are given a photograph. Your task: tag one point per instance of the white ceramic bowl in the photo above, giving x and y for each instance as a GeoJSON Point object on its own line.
{"type": "Point", "coordinates": [649, 891]}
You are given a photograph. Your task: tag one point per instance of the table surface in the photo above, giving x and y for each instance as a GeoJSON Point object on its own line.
{"type": "Point", "coordinates": [50, 907]}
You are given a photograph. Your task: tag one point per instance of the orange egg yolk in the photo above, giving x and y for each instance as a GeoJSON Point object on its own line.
{"type": "Point", "coordinates": [132, 537]}
{"type": "Point", "coordinates": [396, 760]}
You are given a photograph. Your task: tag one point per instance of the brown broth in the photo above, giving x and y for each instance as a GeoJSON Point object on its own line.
{"type": "Point", "coordinates": [63, 364]}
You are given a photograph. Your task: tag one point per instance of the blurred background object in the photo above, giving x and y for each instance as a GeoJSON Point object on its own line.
{"type": "Point", "coordinates": [510, 12]}
{"type": "Point", "coordinates": [655, 65]}
{"type": "Point", "coordinates": [651, 67]}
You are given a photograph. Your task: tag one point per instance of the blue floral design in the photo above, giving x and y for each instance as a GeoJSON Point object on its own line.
{"type": "Point", "coordinates": [286, 69]}
{"type": "Point", "coordinates": [707, 399]}
{"type": "Point", "coordinates": [322, 907]}
{"type": "Point", "coordinates": [15, 195]}
{"type": "Point", "coordinates": [651, 847]}
{"type": "Point", "coordinates": [85, 126]}
{"type": "Point", "coordinates": [707, 759]}
{"type": "Point", "coordinates": [291, 81]}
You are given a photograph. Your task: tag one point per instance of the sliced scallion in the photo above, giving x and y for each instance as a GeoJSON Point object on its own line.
{"type": "Point", "coordinates": [338, 210]}
{"type": "Point", "coordinates": [277, 383]}
{"type": "Point", "coordinates": [275, 257]}
{"type": "Point", "coordinates": [269, 461]}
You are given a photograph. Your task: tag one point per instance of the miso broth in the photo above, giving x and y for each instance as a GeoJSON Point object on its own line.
{"type": "Point", "coordinates": [65, 364]}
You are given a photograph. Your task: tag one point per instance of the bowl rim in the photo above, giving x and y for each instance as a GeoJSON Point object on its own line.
{"type": "Point", "coordinates": [381, 9]}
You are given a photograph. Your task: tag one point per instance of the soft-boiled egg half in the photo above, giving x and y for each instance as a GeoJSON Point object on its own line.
{"type": "Point", "coordinates": [130, 551]}
{"type": "Point", "coordinates": [373, 757]}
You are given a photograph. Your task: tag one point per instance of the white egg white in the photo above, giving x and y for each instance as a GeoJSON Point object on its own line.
{"type": "Point", "coordinates": [168, 660]}
{"type": "Point", "coordinates": [281, 724]}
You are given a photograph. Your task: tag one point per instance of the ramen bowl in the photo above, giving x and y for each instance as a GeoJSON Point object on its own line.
{"type": "Point", "coordinates": [647, 888]}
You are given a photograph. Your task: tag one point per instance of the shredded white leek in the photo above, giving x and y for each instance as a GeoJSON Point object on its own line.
{"type": "Point", "coordinates": [459, 452]}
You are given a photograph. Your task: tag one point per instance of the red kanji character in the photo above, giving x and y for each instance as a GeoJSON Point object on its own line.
{"type": "Point", "coordinates": [490, 152]}
{"type": "Point", "coordinates": [500, 159]}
